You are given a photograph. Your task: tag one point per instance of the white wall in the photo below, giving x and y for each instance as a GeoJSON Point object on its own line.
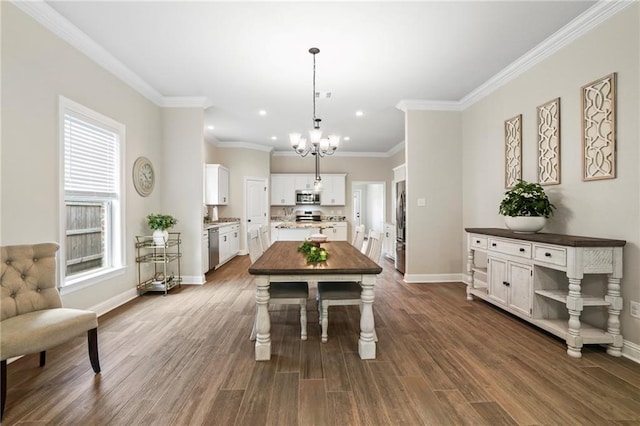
{"type": "Point", "coordinates": [37, 67]}
{"type": "Point", "coordinates": [241, 162]}
{"type": "Point", "coordinates": [605, 208]}
{"type": "Point", "coordinates": [183, 183]}
{"type": "Point", "coordinates": [434, 174]}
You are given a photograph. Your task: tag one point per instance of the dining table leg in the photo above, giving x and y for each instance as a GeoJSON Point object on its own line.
{"type": "Point", "coordinates": [367, 343]}
{"type": "Point", "coordinates": [263, 323]}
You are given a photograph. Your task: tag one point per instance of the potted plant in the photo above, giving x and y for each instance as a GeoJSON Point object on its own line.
{"type": "Point", "coordinates": [526, 207]}
{"type": "Point", "coordinates": [160, 223]}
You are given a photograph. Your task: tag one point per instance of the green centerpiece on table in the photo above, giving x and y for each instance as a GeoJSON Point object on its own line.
{"type": "Point", "coordinates": [314, 252]}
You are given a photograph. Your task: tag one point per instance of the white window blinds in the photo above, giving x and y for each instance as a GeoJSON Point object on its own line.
{"type": "Point", "coordinates": [91, 158]}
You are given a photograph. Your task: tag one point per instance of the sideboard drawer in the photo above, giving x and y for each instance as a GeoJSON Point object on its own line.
{"type": "Point", "coordinates": [479, 241]}
{"type": "Point", "coordinates": [553, 255]}
{"type": "Point", "coordinates": [519, 249]}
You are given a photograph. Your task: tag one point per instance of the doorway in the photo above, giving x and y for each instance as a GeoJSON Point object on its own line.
{"type": "Point", "coordinates": [255, 205]}
{"type": "Point", "coordinates": [369, 205]}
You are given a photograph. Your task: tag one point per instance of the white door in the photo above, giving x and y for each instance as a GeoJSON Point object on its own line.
{"type": "Point", "coordinates": [256, 202]}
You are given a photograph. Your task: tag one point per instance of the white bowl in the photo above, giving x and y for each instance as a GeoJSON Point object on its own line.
{"type": "Point", "coordinates": [317, 238]}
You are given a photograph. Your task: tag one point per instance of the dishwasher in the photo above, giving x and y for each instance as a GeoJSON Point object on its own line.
{"type": "Point", "coordinates": [214, 247]}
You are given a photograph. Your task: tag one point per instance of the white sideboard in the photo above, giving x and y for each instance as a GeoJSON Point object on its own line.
{"type": "Point", "coordinates": [538, 277]}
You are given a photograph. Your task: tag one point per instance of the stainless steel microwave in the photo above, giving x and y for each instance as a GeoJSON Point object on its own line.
{"type": "Point", "coordinates": [307, 197]}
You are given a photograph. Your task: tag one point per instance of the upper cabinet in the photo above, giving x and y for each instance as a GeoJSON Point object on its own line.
{"type": "Point", "coordinates": [333, 190]}
{"type": "Point", "coordinates": [285, 185]}
{"type": "Point", "coordinates": [303, 181]}
{"type": "Point", "coordinates": [283, 190]}
{"type": "Point", "coordinates": [216, 185]}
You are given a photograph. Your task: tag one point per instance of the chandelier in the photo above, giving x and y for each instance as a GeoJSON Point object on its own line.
{"type": "Point", "coordinates": [317, 145]}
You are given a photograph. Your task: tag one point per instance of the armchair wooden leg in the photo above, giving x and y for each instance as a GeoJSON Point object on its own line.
{"type": "Point", "coordinates": [3, 379]}
{"type": "Point", "coordinates": [43, 358]}
{"type": "Point", "coordinates": [92, 338]}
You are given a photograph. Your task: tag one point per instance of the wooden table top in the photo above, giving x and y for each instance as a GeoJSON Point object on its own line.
{"type": "Point", "coordinates": [283, 258]}
{"type": "Point", "coordinates": [555, 239]}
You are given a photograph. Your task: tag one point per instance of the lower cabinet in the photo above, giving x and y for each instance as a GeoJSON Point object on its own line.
{"type": "Point", "coordinates": [336, 231]}
{"type": "Point", "coordinates": [510, 284]}
{"type": "Point", "coordinates": [229, 242]}
{"type": "Point", "coordinates": [295, 234]}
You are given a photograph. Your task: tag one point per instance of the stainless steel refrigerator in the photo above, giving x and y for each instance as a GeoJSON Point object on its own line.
{"type": "Point", "coordinates": [401, 216]}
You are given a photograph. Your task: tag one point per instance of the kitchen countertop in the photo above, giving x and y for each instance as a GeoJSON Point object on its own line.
{"type": "Point", "coordinates": [305, 224]}
{"type": "Point", "coordinates": [220, 223]}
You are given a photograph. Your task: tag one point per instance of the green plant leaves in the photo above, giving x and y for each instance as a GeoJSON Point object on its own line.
{"type": "Point", "coordinates": [526, 199]}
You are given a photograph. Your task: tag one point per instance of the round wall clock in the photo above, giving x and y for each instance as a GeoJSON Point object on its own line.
{"type": "Point", "coordinates": [143, 176]}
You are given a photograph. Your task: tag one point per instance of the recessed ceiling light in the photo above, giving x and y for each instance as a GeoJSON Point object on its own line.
{"type": "Point", "coordinates": [274, 138]}
{"type": "Point", "coordinates": [347, 138]}
{"type": "Point", "coordinates": [262, 112]}
{"type": "Point", "coordinates": [210, 127]}
{"type": "Point", "coordinates": [359, 113]}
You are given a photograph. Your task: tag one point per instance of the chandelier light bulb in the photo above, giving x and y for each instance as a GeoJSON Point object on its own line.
{"type": "Point", "coordinates": [315, 135]}
{"type": "Point", "coordinates": [334, 141]}
{"type": "Point", "coordinates": [324, 144]}
{"type": "Point", "coordinates": [294, 138]}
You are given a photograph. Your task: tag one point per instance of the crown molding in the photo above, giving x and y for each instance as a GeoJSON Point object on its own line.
{"type": "Point", "coordinates": [245, 145]}
{"type": "Point", "coordinates": [336, 154]}
{"type": "Point", "coordinates": [46, 16]}
{"type": "Point", "coordinates": [185, 102]}
{"type": "Point", "coordinates": [59, 25]}
{"type": "Point", "coordinates": [582, 24]}
{"type": "Point", "coordinates": [426, 105]}
{"type": "Point", "coordinates": [393, 151]}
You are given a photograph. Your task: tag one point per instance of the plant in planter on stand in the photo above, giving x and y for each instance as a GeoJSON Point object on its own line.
{"type": "Point", "coordinates": [526, 207]}
{"type": "Point", "coordinates": [160, 223]}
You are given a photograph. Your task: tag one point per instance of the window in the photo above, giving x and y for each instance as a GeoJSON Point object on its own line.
{"type": "Point", "coordinates": [91, 218]}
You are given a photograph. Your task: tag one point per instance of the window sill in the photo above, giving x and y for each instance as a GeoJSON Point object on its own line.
{"type": "Point", "coordinates": [75, 284]}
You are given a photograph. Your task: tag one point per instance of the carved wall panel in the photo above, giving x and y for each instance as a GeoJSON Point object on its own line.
{"type": "Point", "coordinates": [513, 151]}
{"type": "Point", "coordinates": [599, 129]}
{"type": "Point", "coordinates": [549, 143]}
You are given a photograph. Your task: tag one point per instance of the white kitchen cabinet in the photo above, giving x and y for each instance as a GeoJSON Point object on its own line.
{"type": "Point", "coordinates": [216, 186]}
{"type": "Point", "coordinates": [304, 181]}
{"type": "Point", "coordinates": [335, 231]}
{"type": "Point", "coordinates": [205, 251]}
{"type": "Point", "coordinates": [229, 242]}
{"type": "Point", "coordinates": [389, 243]}
{"type": "Point", "coordinates": [333, 190]}
{"type": "Point", "coordinates": [283, 190]}
{"type": "Point", "coordinates": [274, 232]}
{"type": "Point", "coordinates": [295, 234]}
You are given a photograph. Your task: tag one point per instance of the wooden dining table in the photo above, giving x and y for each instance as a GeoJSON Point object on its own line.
{"type": "Point", "coordinates": [282, 262]}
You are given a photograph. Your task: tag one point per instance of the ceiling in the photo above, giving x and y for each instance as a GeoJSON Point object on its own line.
{"type": "Point", "coordinates": [250, 56]}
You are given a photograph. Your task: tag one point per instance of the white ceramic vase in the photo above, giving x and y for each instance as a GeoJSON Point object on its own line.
{"type": "Point", "coordinates": [160, 237]}
{"type": "Point", "coordinates": [525, 224]}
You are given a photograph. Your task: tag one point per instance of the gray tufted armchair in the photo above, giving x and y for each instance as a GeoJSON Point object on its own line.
{"type": "Point", "coordinates": [32, 318]}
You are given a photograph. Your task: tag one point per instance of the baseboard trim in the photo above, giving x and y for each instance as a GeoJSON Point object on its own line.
{"type": "Point", "coordinates": [112, 303]}
{"type": "Point", "coordinates": [193, 279]}
{"type": "Point", "coordinates": [631, 351]}
{"type": "Point", "coordinates": [432, 278]}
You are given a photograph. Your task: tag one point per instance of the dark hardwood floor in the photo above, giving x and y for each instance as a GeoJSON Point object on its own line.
{"type": "Point", "coordinates": [186, 359]}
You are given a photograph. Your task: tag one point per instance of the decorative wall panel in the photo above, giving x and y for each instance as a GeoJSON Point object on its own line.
{"type": "Point", "coordinates": [513, 151]}
{"type": "Point", "coordinates": [599, 129]}
{"type": "Point", "coordinates": [549, 143]}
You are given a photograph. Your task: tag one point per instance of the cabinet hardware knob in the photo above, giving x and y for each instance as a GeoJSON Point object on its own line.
{"type": "Point", "coordinates": [547, 254]}
{"type": "Point", "coordinates": [521, 250]}
{"type": "Point", "coordinates": [477, 241]}
{"type": "Point", "coordinates": [506, 283]}
{"type": "Point", "coordinates": [493, 244]}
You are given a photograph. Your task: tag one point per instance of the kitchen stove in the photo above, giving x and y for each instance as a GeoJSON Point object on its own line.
{"type": "Point", "coordinates": [308, 216]}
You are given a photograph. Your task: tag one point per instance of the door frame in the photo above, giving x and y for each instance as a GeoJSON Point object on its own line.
{"type": "Point", "coordinates": [384, 198]}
